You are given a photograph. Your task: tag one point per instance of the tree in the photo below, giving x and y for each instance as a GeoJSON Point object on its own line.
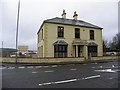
{"type": "Point", "coordinates": [105, 45]}
{"type": "Point", "coordinates": [115, 43]}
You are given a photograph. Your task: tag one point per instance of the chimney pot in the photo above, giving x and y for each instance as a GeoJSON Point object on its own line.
{"type": "Point", "coordinates": [75, 16]}
{"type": "Point", "coordinates": [64, 14]}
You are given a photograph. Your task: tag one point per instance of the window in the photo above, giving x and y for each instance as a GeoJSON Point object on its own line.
{"type": "Point", "coordinates": [77, 33]}
{"type": "Point", "coordinates": [92, 50]}
{"type": "Point", "coordinates": [60, 50]}
{"type": "Point", "coordinates": [91, 34]}
{"type": "Point", "coordinates": [42, 33]}
{"type": "Point", "coordinates": [60, 31]}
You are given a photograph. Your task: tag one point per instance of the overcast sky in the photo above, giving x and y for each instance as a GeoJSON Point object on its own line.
{"type": "Point", "coordinates": [103, 13]}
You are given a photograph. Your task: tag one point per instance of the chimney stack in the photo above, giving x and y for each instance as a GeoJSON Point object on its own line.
{"type": "Point", "coordinates": [75, 16]}
{"type": "Point", "coordinates": [64, 14]}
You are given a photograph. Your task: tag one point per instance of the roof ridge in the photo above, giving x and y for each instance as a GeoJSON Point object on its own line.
{"type": "Point", "coordinates": [71, 22]}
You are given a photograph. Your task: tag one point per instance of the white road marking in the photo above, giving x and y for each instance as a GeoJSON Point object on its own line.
{"type": "Point", "coordinates": [11, 67]}
{"type": "Point", "coordinates": [95, 63]}
{"type": "Point", "coordinates": [48, 71]}
{"type": "Point", "coordinates": [92, 77]}
{"type": "Point", "coordinates": [45, 84]}
{"type": "Point", "coordinates": [73, 69]}
{"type": "Point", "coordinates": [38, 66]}
{"type": "Point", "coordinates": [105, 70]}
{"type": "Point", "coordinates": [66, 81]}
{"type": "Point", "coordinates": [113, 66]}
{"type": "Point", "coordinates": [54, 66]}
{"type": "Point", "coordinates": [30, 67]}
{"type": "Point", "coordinates": [2, 67]}
{"type": "Point", "coordinates": [34, 72]}
{"type": "Point", "coordinates": [110, 78]}
{"type": "Point", "coordinates": [70, 80]}
{"type": "Point", "coordinates": [93, 67]}
{"type": "Point", "coordinates": [45, 66]}
{"type": "Point", "coordinates": [21, 67]}
{"type": "Point", "coordinates": [101, 66]}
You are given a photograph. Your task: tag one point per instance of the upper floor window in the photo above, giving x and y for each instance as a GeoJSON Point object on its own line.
{"type": "Point", "coordinates": [42, 33]}
{"type": "Point", "coordinates": [77, 33]}
{"type": "Point", "coordinates": [60, 31]}
{"type": "Point", "coordinates": [91, 34]}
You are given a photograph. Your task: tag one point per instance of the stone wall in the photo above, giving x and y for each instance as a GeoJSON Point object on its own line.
{"type": "Point", "coordinates": [56, 60]}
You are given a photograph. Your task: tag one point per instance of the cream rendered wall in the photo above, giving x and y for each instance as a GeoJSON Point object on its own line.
{"type": "Point", "coordinates": [41, 43]}
{"type": "Point", "coordinates": [50, 36]}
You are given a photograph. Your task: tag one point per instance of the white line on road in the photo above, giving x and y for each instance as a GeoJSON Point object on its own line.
{"type": "Point", "coordinates": [113, 66]}
{"type": "Point", "coordinates": [34, 72]}
{"type": "Point", "coordinates": [93, 67]}
{"type": "Point", "coordinates": [106, 70]}
{"type": "Point", "coordinates": [2, 67]}
{"type": "Point", "coordinates": [101, 66]}
{"type": "Point", "coordinates": [54, 66]}
{"type": "Point", "coordinates": [73, 69]}
{"type": "Point", "coordinates": [92, 77]}
{"type": "Point", "coordinates": [21, 67]}
{"type": "Point", "coordinates": [38, 66]}
{"type": "Point", "coordinates": [70, 80]}
{"type": "Point", "coordinates": [110, 78]}
{"type": "Point", "coordinates": [11, 67]}
{"type": "Point", "coordinates": [48, 71]}
{"type": "Point", "coordinates": [45, 66]}
{"type": "Point", "coordinates": [65, 81]}
{"type": "Point", "coordinates": [30, 67]}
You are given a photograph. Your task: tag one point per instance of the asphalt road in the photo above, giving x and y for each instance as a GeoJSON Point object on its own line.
{"type": "Point", "coordinates": [91, 75]}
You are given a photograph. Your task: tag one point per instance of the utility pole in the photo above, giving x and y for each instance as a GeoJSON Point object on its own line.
{"type": "Point", "coordinates": [2, 50]}
{"type": "Point", "coordinates": [17, 29]}
{"type": "Point", "coordinates": [2, 44]}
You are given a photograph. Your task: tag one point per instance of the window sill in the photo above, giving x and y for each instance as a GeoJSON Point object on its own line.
{"type": "Point", "coordinates": [77, 38]}
{"type": "Point", "coordinates": [60, 38]}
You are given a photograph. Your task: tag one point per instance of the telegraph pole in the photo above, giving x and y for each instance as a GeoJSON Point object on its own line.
{"type": "Point", "coordinates": [2, 50]}
{"type": "Point", "coordinates": [2, 44]}
{"type": "Point", "coordinates": [17, 29]}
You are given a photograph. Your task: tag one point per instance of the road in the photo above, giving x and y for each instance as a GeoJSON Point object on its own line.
{"type": "Point", "coordinates": [91, 75]}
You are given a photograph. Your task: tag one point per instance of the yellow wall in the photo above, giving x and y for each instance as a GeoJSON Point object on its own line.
{"type": "Point", "coordinates": [50, 36]}
{"type": "Point", "coordinates": [40, 43]}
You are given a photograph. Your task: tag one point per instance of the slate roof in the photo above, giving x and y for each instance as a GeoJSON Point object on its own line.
{"type": "Point", "coordinates": [71, 22]}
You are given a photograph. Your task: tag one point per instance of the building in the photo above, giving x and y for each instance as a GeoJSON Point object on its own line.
{"type": "Point", "coordinates": [23, 48]}
{"type": "Point", "coordinates": [62, 37]}
{"type": "Point", "coordinates": [6, 52]}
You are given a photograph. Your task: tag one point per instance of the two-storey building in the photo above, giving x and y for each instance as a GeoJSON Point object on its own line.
{"type": "Point", "coordinates": [62, 37]}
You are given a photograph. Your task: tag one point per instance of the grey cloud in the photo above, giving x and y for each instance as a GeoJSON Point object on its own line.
{"type": "Point", "coordinates": [33, 13]}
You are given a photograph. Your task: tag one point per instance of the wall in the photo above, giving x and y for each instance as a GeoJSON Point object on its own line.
{"type": "Point", "coordinates": [51, 37]}
{"type": "Point", "coordinates": [56, 60]}
{"type": "Point", "coordinates": [41, 42]}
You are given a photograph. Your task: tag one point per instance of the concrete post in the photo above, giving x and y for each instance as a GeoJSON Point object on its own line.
{"type": "Point", "coordinates": [85, 52]}
{"type": "Point", "coordinates": [76, 50]}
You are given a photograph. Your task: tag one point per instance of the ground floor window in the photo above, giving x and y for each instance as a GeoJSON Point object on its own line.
{"type": "Point", "coordinates": [60, 50]}
{"type": "Point", "coordinates": [92, 50]}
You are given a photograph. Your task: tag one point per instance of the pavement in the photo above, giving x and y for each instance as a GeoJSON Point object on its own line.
{"type": "Point", "coordinates": [86, 75]}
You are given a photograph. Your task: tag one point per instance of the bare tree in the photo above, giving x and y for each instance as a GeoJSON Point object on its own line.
{"type": "Point", "coordinates": [115, 43]}
{"type": "Point", "coordinates": [105, 45]}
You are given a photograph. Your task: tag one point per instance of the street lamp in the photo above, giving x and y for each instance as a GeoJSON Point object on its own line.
{"type": "Point", "coordinates": [17, 29]}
